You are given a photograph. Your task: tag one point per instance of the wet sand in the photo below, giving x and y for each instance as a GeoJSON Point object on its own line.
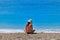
{"type": "Point", "coordinates": [23, 36]}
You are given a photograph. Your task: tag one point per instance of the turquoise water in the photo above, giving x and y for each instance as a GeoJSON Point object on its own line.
{"type": "Point", "coordinates": [45, 14]}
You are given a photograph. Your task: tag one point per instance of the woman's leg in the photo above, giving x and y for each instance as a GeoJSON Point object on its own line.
{"type": "Point", "coordinates": [29, 32]}
{"type": "Point", "coordinates": [33, 31]}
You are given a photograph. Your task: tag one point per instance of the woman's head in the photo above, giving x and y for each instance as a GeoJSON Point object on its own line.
{"type": "Point", "coordinates": [30, 21]}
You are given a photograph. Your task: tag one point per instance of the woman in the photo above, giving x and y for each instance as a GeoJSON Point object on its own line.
{"type": "Point", "coordinates": [29, 28]}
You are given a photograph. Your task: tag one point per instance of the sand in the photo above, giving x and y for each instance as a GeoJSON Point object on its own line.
{"type": "Point", "coordinates": [24, 36]}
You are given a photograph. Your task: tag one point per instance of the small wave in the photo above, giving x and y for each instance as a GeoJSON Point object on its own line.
{"type": "Point", "coordinates": [22, 31]}
{"type": "Point", "coordinates": [48, 31]}
{"type": "Point", "coordinates": [11, 31]}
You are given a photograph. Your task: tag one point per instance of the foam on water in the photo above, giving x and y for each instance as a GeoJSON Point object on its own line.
{"type": "Point", "coordinates": [11, 31]}
{"type": "Point", "coordinates": [22, 31]}
{"type": "Point", "coordinates": [48, 31]}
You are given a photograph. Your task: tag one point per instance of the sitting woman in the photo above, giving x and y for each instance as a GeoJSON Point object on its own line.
{"type": "Point", "coordinates": [29, 28]}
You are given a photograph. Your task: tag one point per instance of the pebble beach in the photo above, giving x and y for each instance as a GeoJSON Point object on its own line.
{"type": "Point", "coordinates": [24, 36]}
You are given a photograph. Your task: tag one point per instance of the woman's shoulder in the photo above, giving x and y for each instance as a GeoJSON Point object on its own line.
{"type": "Point", "coordinates": [30, 24]}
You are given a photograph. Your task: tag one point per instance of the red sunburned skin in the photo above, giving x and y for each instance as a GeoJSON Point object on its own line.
{"type": "Point", "coordinates": [29, 28]}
